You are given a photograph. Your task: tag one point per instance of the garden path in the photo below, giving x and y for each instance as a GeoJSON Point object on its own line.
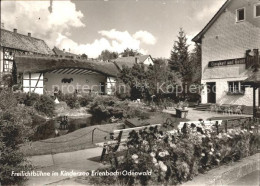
{"type": "Point", "coordinates": [78, 161]}
{"type": "Point", "coordinates": [195, 115]}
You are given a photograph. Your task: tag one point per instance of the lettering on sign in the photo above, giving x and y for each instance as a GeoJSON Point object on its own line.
{"type": "Point", "coordinates": [227, 62]}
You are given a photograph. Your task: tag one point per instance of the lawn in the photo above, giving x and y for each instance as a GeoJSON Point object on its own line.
{"type": "Point", "coordinates": [77, 140]}
{"type": "Point", "coordinates": [82, 138]}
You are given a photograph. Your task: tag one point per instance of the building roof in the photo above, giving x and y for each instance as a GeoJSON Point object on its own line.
{"type": "Point", "coordinates": [253, 80]}
{"type": "Point", "coordinates": [23, 42]}
{"type": "Point", "coordinates": [199, 36]}
{"type": "Point", "coordinates": [129, 61]}
{"type": "Point", "coordinates": [62, 53]}
{"type": "Point", "coordinates": [33, 64]}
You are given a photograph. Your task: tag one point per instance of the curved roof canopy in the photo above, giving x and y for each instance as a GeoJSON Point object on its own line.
{"type": "Point", "coordinates": [33, 64]}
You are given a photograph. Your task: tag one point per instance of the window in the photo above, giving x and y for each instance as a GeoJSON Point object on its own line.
{"type": "Point", "coordinates": [235, 87]}
{"type": "Point", "coordinates": [8, 59]}
{"type": "Point", "coordinates": [8, 66]}
{"type": "Point", "coordinates": [240, 14]}
{"type": "Point", "coordinates": [257, 10]}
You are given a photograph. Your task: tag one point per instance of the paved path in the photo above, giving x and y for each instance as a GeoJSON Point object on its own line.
{"type": "Point", "coordinates": [195, 115]}
{"type": "Point", "coordinates": [76, 161]}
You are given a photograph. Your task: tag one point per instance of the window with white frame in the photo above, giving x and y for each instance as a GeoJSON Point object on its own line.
{"type": "Point", "coordinates": [240, 13]}
{"type": "Point", "coordinates": [235, 87]}
{"type": "Point", "coordinates": [8, 59]}
{"type": "Point", "coordinates": [257, 10]}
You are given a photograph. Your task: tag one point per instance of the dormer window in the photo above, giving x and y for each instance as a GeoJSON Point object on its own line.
{"type": "Point", "coordinates": [257, 10]}
{"type": "Point", "coordinates": [240, 14]}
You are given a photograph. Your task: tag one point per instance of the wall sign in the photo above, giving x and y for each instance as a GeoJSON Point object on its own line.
{"type": "Point", "coordinates": [66, 80]}
{"type": "Point", "coordinates": [227, 62]}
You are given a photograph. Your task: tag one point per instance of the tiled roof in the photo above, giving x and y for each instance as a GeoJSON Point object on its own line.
{"type": "Point", "coordinates": [61, 53]}
{"type": "Point", "coordinates": [22, 42]}
{"type": "Point", "coordinates": [129, 61]}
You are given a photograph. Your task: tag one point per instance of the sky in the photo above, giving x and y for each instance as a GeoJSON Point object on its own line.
{"type": "Point", "coordinates": [91, 26]}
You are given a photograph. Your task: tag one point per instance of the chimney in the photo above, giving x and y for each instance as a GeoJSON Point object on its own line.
{"type": "Point", "coordinates": [15, 30]}
{"type": "Point", "coordinates": [137, 60]}
{"type": "Point", "coordinates": [63, 49]}
{"type": "Point", "coordinates": [29, 34]}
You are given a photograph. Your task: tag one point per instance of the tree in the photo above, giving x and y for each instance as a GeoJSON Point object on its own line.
{"type": "Point", "coordinates": [130, 52]}
{"type": "Point", "coordinates": [84, 56]}
{"type": "Point", "coordinates": [106, 55]}
{"type": "Point", "coordinates": [179, 60]}
{"type": "Point", "coordinates": [154, 80]}
{"type": "Point", "coordinates": [195, 60]}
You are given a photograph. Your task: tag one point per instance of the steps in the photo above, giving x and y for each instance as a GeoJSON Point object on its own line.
{"type": "Point", "coordinates": [203, 107]}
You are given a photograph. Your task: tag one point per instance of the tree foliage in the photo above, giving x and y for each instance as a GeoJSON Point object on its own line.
{"type": "Point", "coordinates": [195, 59]}
{"type": "Point", "coordinates": [15, 129]}
{"type": "Point", "coordinates": [107, 55]}
{"type": "Point", "coordinates": [179, 60]}
{"type": "Point", "coordinates": [130, 52]}
{"type": "Point", "coordinates": [147, 81]}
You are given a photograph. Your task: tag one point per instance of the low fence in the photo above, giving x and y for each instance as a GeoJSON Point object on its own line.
{"type": "Point", "coordinates": [241, 122]}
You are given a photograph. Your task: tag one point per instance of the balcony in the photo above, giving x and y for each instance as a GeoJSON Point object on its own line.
{"type": "Point", "coordinates": [252, 60]}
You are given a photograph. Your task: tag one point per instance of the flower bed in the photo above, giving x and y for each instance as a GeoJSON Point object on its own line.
{"type": "Point", "coordinates": [177, 156]}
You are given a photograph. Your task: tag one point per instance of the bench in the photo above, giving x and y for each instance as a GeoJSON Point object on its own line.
{"type": "Point", "coordinates": [122, 135]}
{"type": "Point", "coordinates": [180, 113]}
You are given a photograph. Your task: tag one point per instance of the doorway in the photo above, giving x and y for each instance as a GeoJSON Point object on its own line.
{"type": "Point", "coordinates": [211, 90]}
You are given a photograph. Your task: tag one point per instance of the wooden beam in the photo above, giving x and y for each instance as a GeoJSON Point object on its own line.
{"type": "Point", "coordinates": [254, 102]}
{"type": "Point", "coordinates": [29, 83]}
{"type": "Point", "coordinates": [74, 71]}
{"type": "Point", "coordinates": [37, 82]}
{"type": "Point", "coordinates": [65, 71]}
{"type": "Point", "coordinates": [61, 71]}
{"type": "Point", "coordinates": [71, 69]}
{"type": "Point", "coordinates": [54, 71]}
{"type": "Point", "coordinates": [80, 71]}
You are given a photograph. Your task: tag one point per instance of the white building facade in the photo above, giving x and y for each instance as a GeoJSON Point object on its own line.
{"type": "Point", "coordinates": [224, 41]}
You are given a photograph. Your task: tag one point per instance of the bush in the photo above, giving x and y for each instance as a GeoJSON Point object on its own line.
{"type": "Point", "coordinates": [85, 100]}
{"type": "Point", "coordinates": [31, 99]}
{"type": "Point", "coordinates": [104, 107]}
{"type": "Point", "coordinates": [21, 97]}
{"type": "Point", "coordinates": [7, 99]}
{"type": "Point", "coordinates": [15, 129]}
{"type": "Point", "coordinates": [46, 105]}
{"type": "Point", "coordinates": [137, 112]}
{"type": "Point", "coordinates": [71, 100]}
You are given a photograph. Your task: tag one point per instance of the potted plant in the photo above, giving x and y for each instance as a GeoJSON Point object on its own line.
{"type": "Point", "coordinates": [185, 105]}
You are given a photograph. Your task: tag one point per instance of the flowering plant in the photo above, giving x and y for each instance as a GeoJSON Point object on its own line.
{"type": "Point", "coordinates": [178, 155]}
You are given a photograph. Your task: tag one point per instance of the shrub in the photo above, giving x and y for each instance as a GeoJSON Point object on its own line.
{"type": "Point", "coordinates": [85, 100]}
{"type": "Point", "coordinates": [46, 105]}
{"type": "Point", "coordinates": [31, 99]}
{"type": "Point", "coordinates": [71, 100]}
{"type": "Point", "coordinates": [21, 97]}
{"type": "Point", "coordinates": [137, 112]}
{"type": "Point", "coordinates": [7, 99]}
{"type": "Point", "coordinates": [15, 128]}
{"type": "Point", "coordinates": [104, 107]}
